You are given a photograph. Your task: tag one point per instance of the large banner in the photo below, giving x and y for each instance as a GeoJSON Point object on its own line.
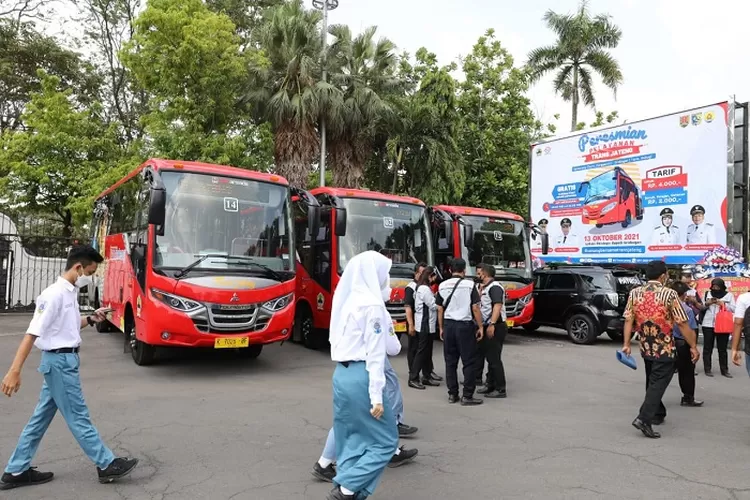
{"type": "Point", "coordinates": [654, 189]}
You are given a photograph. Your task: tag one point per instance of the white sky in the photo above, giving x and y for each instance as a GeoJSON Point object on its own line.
{"type": "Point", "coordinates": [673, 54]}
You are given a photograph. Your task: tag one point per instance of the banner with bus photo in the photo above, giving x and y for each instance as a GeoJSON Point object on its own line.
{"type": "Point", "coordinates": [653, 189]}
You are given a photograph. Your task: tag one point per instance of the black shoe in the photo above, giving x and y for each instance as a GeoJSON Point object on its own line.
{"type": "Point", "coordinates": [430, 383]}
{"type": "Point", "coordinates": [324, 473]}
{"type": "Point", "coordinates": [727, 374]}
{"type": "Point", "coordinates": [484, 389]}
{"type": "Point", "coordinates": [452, 398]}
{"type": "Point", "coordinates": [435, 377]}
{"type": "Point", "coordinates": [645, 429]}
{"type": "Point", "coordinates": [691, 402]}
{"type": "Point", "coordinates": [658, 420]}
{"type": "Point", "coordinates": [119, 468]}
{"type": "Point", "coordinates": [709, 374]}
{"type": "Point", "coordinates": [336, 494]}
{"type": "Point", "coordinates": [406, 430]}
{"type": "Point", "coordinates": [470, 401]}
{"type": "Point", "coordinates": [416, 384]}
{"type": "Point", "coordinates": [496, 394]}
{"type": "Point", "coordinates": [403, 457]}
{"type": "Point", "coordinates": [29, 477]}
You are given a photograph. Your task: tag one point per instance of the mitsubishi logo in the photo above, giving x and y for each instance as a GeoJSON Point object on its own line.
{"type": "Point", "coordinates": [234, 298]}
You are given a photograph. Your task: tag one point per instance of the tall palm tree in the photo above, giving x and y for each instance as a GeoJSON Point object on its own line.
{"type": "Point", "coordinates": [363, 68]}
{"type": "Point", "coordinates": [581, 48]}
{"type": "Point", "coordinates": [288, 91]}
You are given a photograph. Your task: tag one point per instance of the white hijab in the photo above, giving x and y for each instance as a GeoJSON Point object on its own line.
{"type": "Point", "coordinates": [365, 283]}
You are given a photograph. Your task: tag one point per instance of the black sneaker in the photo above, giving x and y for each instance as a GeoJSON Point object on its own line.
{"type": "Point", "coordinates": [406, 430]}
{"type": "Point", "coordinates": [336, 494]}
{"type": "Point", "coordinates": [324, 473]}
{"type": "Point", "coordinates": [403, 457]}
{"type": "Point", "coordinates": [429, 382]}
{"type": "Point", "coordinates": [452, 398]}
{"type": "Point", "coordinates": [29, 477]}
{"type": "Point", "coordinates": [496, 394]}
{"type": "Point", "coordinates": [484, 389]}
{"type": "Point", "coordinates": [472, 401]}
{"type": "Point", "coordinates": [119, 468]}
{"type": "Point", "coordinates": [416, 384]}
{"type": "Point", "coordinates": [437, 378]}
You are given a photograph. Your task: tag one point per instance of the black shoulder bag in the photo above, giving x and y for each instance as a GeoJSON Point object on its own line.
{"type": "Point", "coordinates": [448, 300]}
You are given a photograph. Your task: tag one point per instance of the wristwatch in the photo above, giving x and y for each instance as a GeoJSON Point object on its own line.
{"type": "Point", "coordinates": [90, 321]}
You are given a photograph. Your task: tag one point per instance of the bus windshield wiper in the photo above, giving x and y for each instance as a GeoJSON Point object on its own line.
{"type": "Point", "coordinates": [182, 272]}
{"type": "Point", "coordinates": [241, 258]}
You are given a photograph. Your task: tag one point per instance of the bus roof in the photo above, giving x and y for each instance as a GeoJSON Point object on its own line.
{"type": "Point", "coordinates": [208, 168]}
{"type": "Point", "coordinates": [364, 193]}
{"type": "Point", "coordinates": [482, 212]}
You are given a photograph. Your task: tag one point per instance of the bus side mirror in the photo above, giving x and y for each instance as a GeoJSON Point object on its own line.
{"type": "Point", "coordinates": [157, 208]}
{"type": "Point", "coordinates": [545, 243]}
{"type": "Point", "coordinates": [448, 226]}
{"type": "Point", "coordinates": [468, 235]}
{"type": "Point", "coordinates": [339, 224]}
{"type": "Point", "coordinates": [313, 221]}
{"type": "Point", "coordinates": [582, 186]}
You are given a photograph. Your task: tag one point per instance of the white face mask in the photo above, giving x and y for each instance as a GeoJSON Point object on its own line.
{"type": "Point", "coordinates": [83, 280]}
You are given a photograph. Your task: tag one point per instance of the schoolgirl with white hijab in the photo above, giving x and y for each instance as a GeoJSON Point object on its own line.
{"type": "Point", "coordinates": [364, 424]}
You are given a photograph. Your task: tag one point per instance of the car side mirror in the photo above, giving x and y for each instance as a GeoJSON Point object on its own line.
{"type": "Point", "coordinates": [339, 224]}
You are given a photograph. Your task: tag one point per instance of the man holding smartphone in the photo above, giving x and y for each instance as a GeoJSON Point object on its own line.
{"type": "Point", "coordinates": [55, 329]}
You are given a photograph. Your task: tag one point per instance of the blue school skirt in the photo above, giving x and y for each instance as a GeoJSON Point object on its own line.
{"type": "Point", "coordinates": [364, 445]}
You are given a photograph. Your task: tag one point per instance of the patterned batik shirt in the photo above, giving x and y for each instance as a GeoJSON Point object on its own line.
{"type": "Point", "coordinates": [654, 310]}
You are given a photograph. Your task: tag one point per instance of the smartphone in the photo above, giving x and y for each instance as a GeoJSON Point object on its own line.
{"type": "Point", "coordinates": [106, 310]}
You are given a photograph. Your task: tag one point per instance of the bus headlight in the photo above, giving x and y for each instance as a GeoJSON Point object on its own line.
{"type": "Point", "coordinates": [175, 301]}
{"type": "Point", "coordinates": [609, 207]}
{"type": "Point", "coordinates": [525, 299]}
{"type": "Point", "coordinates": [279, 303]}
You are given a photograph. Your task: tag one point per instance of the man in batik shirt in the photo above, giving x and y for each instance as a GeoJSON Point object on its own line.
{"type": "Point", "coordinates": [652, 311]}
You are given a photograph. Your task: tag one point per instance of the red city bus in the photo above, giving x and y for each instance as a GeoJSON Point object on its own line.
{"type": "Point", "coordinates": [493, 237]}
{"type": "Point", "coordinates": [353, 221]}
{"type": "Point", "coordinates": [611, 198]}
{"type": "Point", "coordinates": [197, 255]}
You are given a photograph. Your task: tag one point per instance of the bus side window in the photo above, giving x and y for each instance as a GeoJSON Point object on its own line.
{"type": "Point", "coordinates": [322, 251]}
{"type": "Point", "coordinates": [303, 237]}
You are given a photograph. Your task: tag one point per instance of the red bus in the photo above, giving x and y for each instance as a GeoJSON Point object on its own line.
{"type": "Point", "coordinates": [611, 198]}
{"type": "Point", "coordinates": [197, 255]}
{"type": "Point", "coordinates": [353, 221]}
{"type": "Point", "coordinates": [493, 237]}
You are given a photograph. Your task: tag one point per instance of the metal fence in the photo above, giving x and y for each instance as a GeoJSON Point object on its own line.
{"type": "Point", "coordinates": [33, 250]}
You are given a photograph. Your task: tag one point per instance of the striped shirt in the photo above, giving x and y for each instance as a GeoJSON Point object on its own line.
{"type": "Point", "coordinates": [654, 309]}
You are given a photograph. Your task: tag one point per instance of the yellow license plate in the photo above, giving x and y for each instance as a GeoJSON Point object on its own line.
{"type": "Point", "coordinates": [399, 327]}
{"type": "Point", "coordinates": [510, 323]}
{"type": "Point", "coordinates": [231, 342]}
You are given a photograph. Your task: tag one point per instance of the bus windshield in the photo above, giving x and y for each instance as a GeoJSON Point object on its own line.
{"type": "Point", "coordinates": [602, 187]}
{"type": "Point", "coordinates": [499, 242]}
{"type": "Point", "coordinates": [397, 230]}
{"type": "Point", "coordinates": [240, 222]}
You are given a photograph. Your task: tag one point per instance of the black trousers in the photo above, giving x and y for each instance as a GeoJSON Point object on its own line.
{"type": "Point", "coordinates": [459, 342]}
{"type": "Point", "coordinates": [685, 370]}
{"type": "Point", "coordinates": [658, 376]}
{"type": "Point", "coordinates": [722, 343]}
{"type": "Point", "coordinates": [491, 349]}
{"type": "Point", "coordinates": [421, 347]}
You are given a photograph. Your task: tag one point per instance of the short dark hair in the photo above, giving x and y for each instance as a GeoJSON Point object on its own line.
{"type": "Point", "coordinates": [680, 287]}
{"type": "Point", "coordinates": [488, 269]}
{"type": "Point", "coordinates": [458, 265]}
{"type": "Point", "coordinates": [655, 268]}
{"type": "Point", "coordinates": [84, 255]}
{"type": "Point", "coordinates": [426, 274]}
{"type": "Point", "coordinates": [419, 266]}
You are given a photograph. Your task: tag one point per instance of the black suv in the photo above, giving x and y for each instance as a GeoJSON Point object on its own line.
{"type": "Point", "coordinates": [584, 300]}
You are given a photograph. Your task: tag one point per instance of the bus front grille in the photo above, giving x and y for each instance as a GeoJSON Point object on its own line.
{"type": "Point", "coordinates": [224, 318]}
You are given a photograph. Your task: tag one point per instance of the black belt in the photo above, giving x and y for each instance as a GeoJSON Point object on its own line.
{"type": "Point", "coordinates": [64, 350]}
{"type": "Point", "coordinates": [461, 321]}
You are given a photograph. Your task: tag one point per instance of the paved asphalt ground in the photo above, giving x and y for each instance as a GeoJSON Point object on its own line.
{"type": "Point", "coordinates": [212, 426]}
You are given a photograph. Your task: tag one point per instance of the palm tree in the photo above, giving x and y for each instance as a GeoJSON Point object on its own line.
{"type": "Point", "coordinates": [581, 48]}
{"type": "Point", "coordinates": [288, 91]}
{"type": "Point", "coordinates": [363, 69]}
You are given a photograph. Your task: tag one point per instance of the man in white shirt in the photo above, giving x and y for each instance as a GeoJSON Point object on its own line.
{"type": "Point", "coordinates": [700, 232]}
{"type": "Point", "coordinates": [566, 239]}
{"type": "Point", "coordinates": [55, 329]}
{"type": "Point", "coordinates": [741, 326]}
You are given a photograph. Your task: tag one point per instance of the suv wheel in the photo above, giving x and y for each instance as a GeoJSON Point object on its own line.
{"type": "Point", "coordinates": [581, 329]}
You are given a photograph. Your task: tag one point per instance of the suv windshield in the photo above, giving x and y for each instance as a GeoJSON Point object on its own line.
{"type": "Point", "coordinates": [499, 242]}
{"type": "Point", "coordinates": [397, 230]}
{"type": "Point", "coordinates": [602, 281]}
{"type": "Point", "coordinates": [224, 217]}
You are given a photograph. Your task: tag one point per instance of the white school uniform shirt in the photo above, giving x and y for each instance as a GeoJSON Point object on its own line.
{"type": "Point", "coordinates": [392, 343]}
{"type": "Point", "coordinates": [57, 319]}
{"type": "Point", "coordinates": [424, 297]}
{"type": "Point", "coordinates": [710, 317]}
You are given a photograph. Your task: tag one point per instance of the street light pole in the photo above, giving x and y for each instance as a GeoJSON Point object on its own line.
{"type": "Point", "coordinates": [325, 6]}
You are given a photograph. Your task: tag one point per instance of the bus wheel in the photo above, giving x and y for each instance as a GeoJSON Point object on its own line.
{"type": "Point", "coordinates": [303, 321]}
{"type": "Point", "coordinates": [251, 352]}
{"type": "Point", "coordinates": [531, 327]}
{"type": "Point", "coordinates": [599, 226]}
{"type": "Point", "coordinates": [143, 353]}
{"type": "Point", "coordinates": [628, 219]}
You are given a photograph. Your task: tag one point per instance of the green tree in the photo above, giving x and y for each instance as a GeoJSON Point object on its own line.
{"type": "Point", "coordinates": [247, 16]}
{"type": "Point", "coordinates": [363, 69]}
{"type": "Point", "coordinates": [188, 59]}
{"type": "Point", "coordinates": [288, 92]}
{"type": "Point", "coordinates": [580, 50]}
{"type": "Point", "coordinates": [497, 128]}
{"type": "Point", "coordinates": [60, 161]}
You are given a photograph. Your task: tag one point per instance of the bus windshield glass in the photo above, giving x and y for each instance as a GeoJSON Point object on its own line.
{"type": "Point", "coordinates": [397, 230]}
{"type": "Point", "coordinates": [602, 187]}
{"type": "Point", "coordinates": [243, 224]}
{"type": "Point", "coordinates": [499, 242]}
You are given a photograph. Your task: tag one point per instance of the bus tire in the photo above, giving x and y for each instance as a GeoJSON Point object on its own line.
{"type": "Point", "coordinates": [531, 327]}
{"type": "Point", "coordinates": [599, 226]}
{"type": "Point", "coordinates": [303, 324]}
{"type": "Point", "coordinates": [143, 354]}
{"type": "Point", "coordinates": [251, 352]}
{"type": "Point", "coordinates": [628, 219]}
